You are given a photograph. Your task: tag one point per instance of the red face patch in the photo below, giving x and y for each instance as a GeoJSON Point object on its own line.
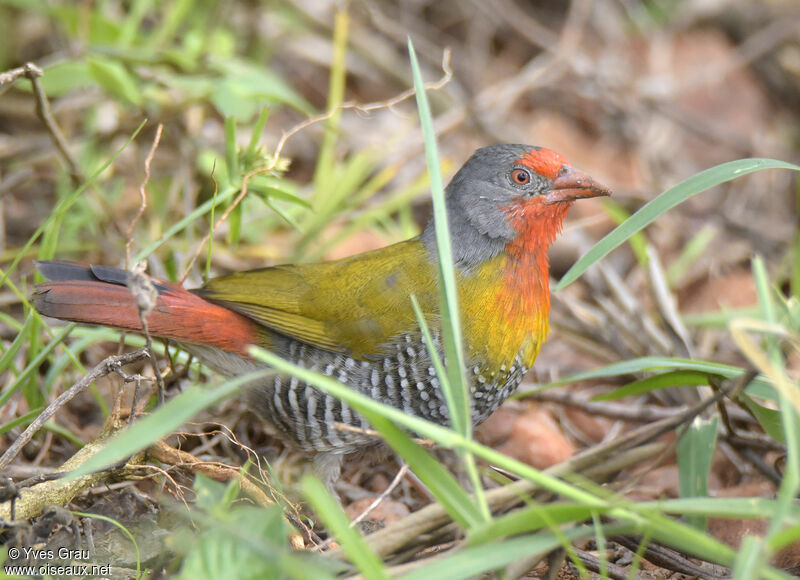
{"type": "Point", "coordinates": [545, 162]}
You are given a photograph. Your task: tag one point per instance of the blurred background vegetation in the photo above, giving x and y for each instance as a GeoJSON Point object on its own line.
{"type": "Point", "coordinates": [641, 95]}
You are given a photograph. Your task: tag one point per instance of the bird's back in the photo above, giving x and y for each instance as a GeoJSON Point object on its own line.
{"type": "Point", "coordinates": [352, 319]}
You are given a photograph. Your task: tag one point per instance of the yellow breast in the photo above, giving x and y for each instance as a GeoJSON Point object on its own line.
{"type": "Point", "coordinates": [504, 311]}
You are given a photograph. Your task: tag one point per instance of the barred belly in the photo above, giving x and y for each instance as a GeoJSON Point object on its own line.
{"type": "Point", "coordinates": [403, 378]}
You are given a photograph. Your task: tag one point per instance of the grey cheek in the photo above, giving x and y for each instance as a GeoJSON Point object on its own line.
{"type": "Point", "coordinates": [487, 217]}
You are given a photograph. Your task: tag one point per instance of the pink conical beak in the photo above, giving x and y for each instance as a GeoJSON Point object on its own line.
{"type": "Point", "coordinates": [573, 184]}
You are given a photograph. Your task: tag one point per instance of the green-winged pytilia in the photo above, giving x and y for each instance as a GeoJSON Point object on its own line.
{"type": "Point", "coordinates": [352, 319]}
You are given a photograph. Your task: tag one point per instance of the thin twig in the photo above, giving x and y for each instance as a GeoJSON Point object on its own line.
{"type": "Point", "coordinates": [365, 108]}
{"type": "Point", "coordinates": [140, 285]}
{"type": "Point", "coordinates": [383, 495]}
{"type": "Point", "coordinates": [623, 411]}
{"type": "Point", "coordinates": [667, 304]}
{"type": "Point", "coordinates": [112, 364]}
{"type": "Point", "coordinates": [34, 73]}
{"type": "Point", "coordinates": [213, 469]}
{"type": "Point", "coordinates": [143, 194]}
{"type": "Point", "coordinates": [11, 76]}
{"type": "Point", "coordinates": [609, 569]}
{"type": "Point", "coordinates": [146, 295]}
{"type": "Point", "coordinates": [670, 559]}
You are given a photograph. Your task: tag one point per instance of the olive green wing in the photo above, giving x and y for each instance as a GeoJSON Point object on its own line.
{"type": "Point", "coordinates": [355, 305]}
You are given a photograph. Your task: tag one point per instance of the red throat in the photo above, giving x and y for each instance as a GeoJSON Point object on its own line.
{"type": "Point", "coordinates": [527, 274]}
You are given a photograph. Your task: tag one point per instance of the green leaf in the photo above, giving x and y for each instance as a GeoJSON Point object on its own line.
{"type": "Point", "coordinates": [100, 28]}
{"type": "Point", "coordinates": [172, 18]}
{"type": "Point", "coordinates": [231, 152]}
{"type": "Point", "coordinates": [115, 79]}
{"type": "Point", "coordinates": [661, 381]}
{"type": "Point", "coordinates": [244, 89]}
{"type": "Point", "coordinates": [458, 401]}
{"type": "Point", "coordinates": [531, 518]}
{"type": "Point", "coordinates": [695, 452]}
{"type": "Point", "coordinates": [235, 225]}
{"type": "Point", "coordinates": [638, 241]}
{"type": "Point", "coordinates": [63, 77]}
{"type": "Point", "coordinates": [21, 420]}
{"type": "Point", "coordinates": [769, 419]}
{"type": "Point", "coordinates": [210, 494]}
{"type": "Point", "coordinates": [456, 388]}
{"type": "Point", "coordinates": [258, 129]}
{"type": "Point", "coordinates": [273, 188]}
{"type": "Point", "coordinates": [195, 87]}
{"type": "Point", "coordinates": [248, 543]}
{"type": "Point", "coordinates": [474, 561]}
{"type": "Point", "coordinates": [666, 201]}
{"type": "Point", "coordinates": [750, 559]}
{"type": "Point", "coordinates": [654, 363]}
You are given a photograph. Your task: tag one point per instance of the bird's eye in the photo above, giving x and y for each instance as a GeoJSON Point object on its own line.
{"type": "Point", "coordinates": [520, 176]}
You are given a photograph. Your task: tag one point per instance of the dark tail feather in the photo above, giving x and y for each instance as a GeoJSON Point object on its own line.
{"type": "Point", "coordinates": [98, 295]}
{"type": "Point", "coordinates": [65, 271]}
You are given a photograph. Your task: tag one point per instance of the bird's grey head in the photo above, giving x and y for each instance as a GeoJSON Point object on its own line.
{"type": "Point", "coordinates": [485, 194]}
{"type": "Point", "coordinates": [479, 196]}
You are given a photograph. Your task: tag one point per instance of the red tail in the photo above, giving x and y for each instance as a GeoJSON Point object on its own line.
{"type": "Point", "coordinates": [98, 295]}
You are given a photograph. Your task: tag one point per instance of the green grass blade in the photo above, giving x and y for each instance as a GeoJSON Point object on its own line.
{"type": "Point", "coordinates": [695, 451]}
{"type": "Point", "coordinates": [35, 363]}
{"type": "Point", "coordinates": [718, 318]}
{"type": "Point", "coordinates": [21, 420]}
{"type": "Point", "coordinates": [666, 201]}
{"type": "Point", "coordinates": [721, 507]}
{"type": "Point", "coordinates": [661, 381]}
{"type": "Point", "coordinates": [691, 252]}
{"type": "Point", "coordinates": [433, 474]}
{"type": "Point", "coordinates": [455, 390]}
{"type": "Point", "coordinates": [457, 400]}
{"type": "Point", "coordinates": [258, 129]}
{"type": "Point", "coordinates": [656, 363]}
{"type": "Point", "coordinates": [749, 559]}
{"type": "Point", "coordinates": [600, 541]}
{"type": "Point", "coordinates": [187, 221]}
{"type": "Point", "coordinates": [337, 523]}
{"type": "Point", "coordinates": [638, 240]}
{"type": "Point", "coordinates": [336, 85]}
{"type": "Point", "coordinates": [231, 156]}
{"type": "Point", "coordinates": [531, 518]}
{"type": "Point", "coordinates": [472, 562]}
{"type": "Point", "coordinates": [790, 481]}
{"type": "Point", "coordinates": [7, 358]}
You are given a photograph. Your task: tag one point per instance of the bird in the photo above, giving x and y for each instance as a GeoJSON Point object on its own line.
{"type": "Point", "coordinates": [352, 318]}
